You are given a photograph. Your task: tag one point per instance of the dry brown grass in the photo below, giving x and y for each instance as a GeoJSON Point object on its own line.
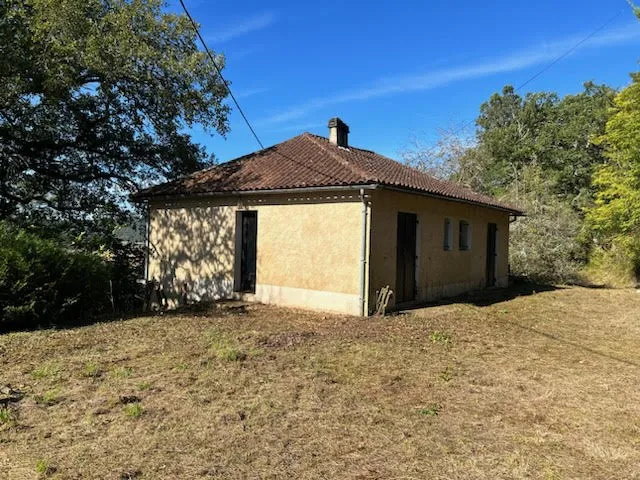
{"type": "Point", "coordinates": [542, 386]}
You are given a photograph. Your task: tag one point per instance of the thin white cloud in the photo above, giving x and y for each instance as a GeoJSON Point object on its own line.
{"type": "Point", "coordinates": [518, 60]}
{"type": "Point", "coordinates": [246, 26]}
{"type": "Point", "coordinates": [299, 127]}
{"type": "Point", "coordinates": [250, 92]}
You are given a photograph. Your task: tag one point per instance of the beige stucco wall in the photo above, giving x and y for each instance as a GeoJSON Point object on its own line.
{"type": "Point", "coordinates": [308, 253]}
{"type": "Point", "coordinates": [439, 273]}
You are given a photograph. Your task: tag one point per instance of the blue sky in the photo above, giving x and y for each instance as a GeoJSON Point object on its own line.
{"type": "Point", "coordinates": [400, 70]}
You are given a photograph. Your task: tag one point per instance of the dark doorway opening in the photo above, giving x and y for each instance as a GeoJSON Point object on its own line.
{"type": "Point", "coordinates": [248, 250]}
{"type": "Point", "coordinates": [492, 230]}
{"type": "Point", "coordinates": [406, 257]}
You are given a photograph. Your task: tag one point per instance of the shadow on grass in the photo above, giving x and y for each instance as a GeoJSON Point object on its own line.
{"type": "Point", "coordinates": [221, 308]}
{"type": "Point", "coordinates": [573, 344]}
{"type": "Point", "coordinates": [487, 297]}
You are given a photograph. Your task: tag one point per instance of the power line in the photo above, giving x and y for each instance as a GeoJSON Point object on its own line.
{"type": "Point", "coordinates": [547, 67]}
{"type": "Point", "coordinates": [571, 50]}
{"type": "Point", "coordinates": [226, 84]}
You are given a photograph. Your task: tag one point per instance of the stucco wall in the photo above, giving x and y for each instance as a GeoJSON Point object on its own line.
{"type": "Point", "coordinates": [439, 273]}
{"type": "Point", "coordinates": [308, 251]}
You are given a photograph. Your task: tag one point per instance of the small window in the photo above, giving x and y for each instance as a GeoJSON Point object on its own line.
{"type": "Point", "coordinates": [448, 234]}
{"type": "Point", "coordinates": [465, 235]}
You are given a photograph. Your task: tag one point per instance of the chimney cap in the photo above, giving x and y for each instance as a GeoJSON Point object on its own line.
{"type": "Point", "coordinates": [337, 122]}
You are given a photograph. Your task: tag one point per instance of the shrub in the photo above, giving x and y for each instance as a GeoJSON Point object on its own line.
{"type": "Point", "coordinates": [545, 245]}
{"type": "Point", "coordinates": [613, 266]}
{"type": "Point", "coordinates": [43, 282]}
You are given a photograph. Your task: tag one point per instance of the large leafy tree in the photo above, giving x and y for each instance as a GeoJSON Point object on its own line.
{"type": "Point", "coordinates": [537, 151]}
{"type": "Point", "coordinates": [615, 216]}
{"type": "Point", "coordinates": [95, 100]}
{"type": "Point", "coordinates": [541, 130]}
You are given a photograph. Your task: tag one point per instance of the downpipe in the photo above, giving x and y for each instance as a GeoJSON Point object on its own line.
{"type": "Point", "coordinates": [363, 253]}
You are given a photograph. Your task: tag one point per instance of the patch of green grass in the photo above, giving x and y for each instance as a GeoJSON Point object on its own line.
{"type": "Point", "coordinates": [447, 374]}
{"type": "Point", "coordinates": [134, 410]}
{"type": "Point", "coordinates": [6, 417]}
{"type": "Point", "coordinates": [181, 366]}
{"type": "Point", "coordinates": [50, 397]}
{"type": "Point", "coordinates": [144, 386]}
{"type": "Point", "coordinates": [44, 468]}
{"type": "Point", "coordinates": [430, 411]}
{"type": "Point", "coordinates": [45, 370]}
{"type": "Point", "coordinates": [123, 372]}
{"type": "Point", "coordinates": [226, 348]}
{"type": "Point", "coordinates": [321, 368]}
{"type": "Point", "coordinates": [232, 355]}
{"type": "Point", "coordinates": [441, 338]}
{"type": "Point", "coordinates": [91, 370]}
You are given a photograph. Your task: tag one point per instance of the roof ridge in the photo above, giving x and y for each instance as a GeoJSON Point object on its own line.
{"type": "Point", "coordinates": [354, 169]}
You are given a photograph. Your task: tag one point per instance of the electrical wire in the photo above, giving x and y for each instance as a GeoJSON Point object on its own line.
{"type": "Point", "coordinates": [547, 67]}
{"type": "Point", "coordinates": [224, 81]}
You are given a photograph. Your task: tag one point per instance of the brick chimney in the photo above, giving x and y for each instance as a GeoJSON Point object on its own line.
{"type": "Point", "coordinates": [338, 132]}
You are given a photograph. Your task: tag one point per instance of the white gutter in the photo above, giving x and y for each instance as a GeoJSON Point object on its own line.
{"type": "Point", "coordinates": [147, 231]}
{"type": "Point", "coordinates": [241, 193]}
{"type": "Point", "coordinates": [363, 255]}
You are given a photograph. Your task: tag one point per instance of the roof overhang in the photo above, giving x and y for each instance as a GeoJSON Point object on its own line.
{"type": "Point", "coordinates": [510, 211]}
{"type": "Point", "coordinates": [334, 188]}
{"type": "Point", "coordinates": [239, 193]}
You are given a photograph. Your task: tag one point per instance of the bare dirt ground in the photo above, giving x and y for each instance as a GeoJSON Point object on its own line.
{"type": "Point", "coordinates": [544, 386]}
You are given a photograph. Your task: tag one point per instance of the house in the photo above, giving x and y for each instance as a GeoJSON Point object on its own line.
{"type": "Point", "coordinates": [313, 222]}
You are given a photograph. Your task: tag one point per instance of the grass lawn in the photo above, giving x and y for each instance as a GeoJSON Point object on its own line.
{"type": "Point", "coordinates": [536, 386]}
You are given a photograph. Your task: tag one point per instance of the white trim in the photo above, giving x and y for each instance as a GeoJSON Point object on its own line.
{"type": "Point", "coordinates": [363, 255]}
{"type": "Point", "coordinates": [306, 298]}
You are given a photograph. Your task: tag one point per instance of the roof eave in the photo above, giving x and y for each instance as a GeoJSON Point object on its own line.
{"type": "Point", "coordinates": [511, 211]}
{"type": "Point", "coordinates": [141, 197]}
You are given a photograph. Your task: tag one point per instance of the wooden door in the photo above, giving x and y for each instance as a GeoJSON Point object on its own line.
{"type": "Point", "coordinates": [492, 230]}
{"type": "Point", "coordinates": [406, 257]}
{"type": "Point", "coordinates": [248, 253]}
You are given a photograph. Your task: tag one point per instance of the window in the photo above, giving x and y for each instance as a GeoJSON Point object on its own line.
{"type": "Point", "coordinates": [448, 234]}
{"type": "Point", "coordinates": [465, 236]}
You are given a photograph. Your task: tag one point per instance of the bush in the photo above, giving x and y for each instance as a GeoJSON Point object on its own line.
{"type": "Point", "coordinates": [613, 266]}
{"type": "Point", "coordinates": [43, 282]}
{"type": "Point", "coordinates": [545, 245]}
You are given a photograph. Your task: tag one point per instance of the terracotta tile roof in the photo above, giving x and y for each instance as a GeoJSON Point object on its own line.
{"type": "Point", "coordinates": [309, 161]}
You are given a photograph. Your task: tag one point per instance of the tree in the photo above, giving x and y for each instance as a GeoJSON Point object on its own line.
{"type": "Point", "coordinates": [545, 245]}
{"type": "Point", "coordinates": [546, 130]}
{"type": "Point", "coordinates": [95, 97]}
{"type": "Point", "coordinates": [443, 160]}
{"type": "Point", "coordinates": [538, 152]}
{"type": "Point", "coordinates": [614, 219]}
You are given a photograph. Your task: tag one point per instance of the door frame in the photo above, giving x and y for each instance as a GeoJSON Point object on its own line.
{"type": "Point", "coordinates": [239, 280]}
{"type": "Point", "coordinates": [401, 272]}
{"type": "Point", "coordinates": [492, 255]}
